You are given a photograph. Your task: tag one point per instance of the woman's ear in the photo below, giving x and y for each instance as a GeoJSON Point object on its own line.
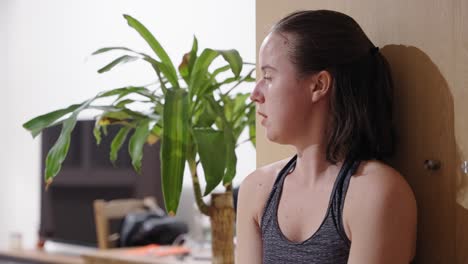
{"type": "Point", "coordinates": [320, 85]}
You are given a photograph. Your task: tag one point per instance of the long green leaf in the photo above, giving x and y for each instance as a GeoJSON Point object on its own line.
{"type": "Point", "coordinates": [36, 125]}
{"type": "Point", "coordinates": [210, 88]}
{"type": "Point", "coordinates": [123, 103]}
{"type": "Point", "coordinates": [240, 103]}
{"type": "Point", "coordinates": [231, 158]}
{"type": "Point", "coordinates": [120, 115]}
{"type": "Point", "coordinates": [161, 67]}
{"type": "Point", "coordinates": [204, 117]}
{"type": "Point", "coordinates": [97, 132]}
{"type": "Point", "coordinates": [230, 142]}
{"type": "Point", "coordinates": [158, 108]}
{"type": "Point", "coordinates": [102, 50]}
{"type": "Point", "coordinates": [124, 90]}
{"type": "Point", "coordinates": [137, 141]}
{"type": "Point", "coordinates": [147, 58]}
{"type": "Point", "coordinates": [157, 130]}
{"type": "Point", "coordinates": [241, 109]}
{"type": "Point", "coordinates": [120, 60]}
{"type": "Point", "coordinates": [200, 70]}
{"type": "Point", "coordinates": [169, 69]}
{"type": "Point", "coordinates": [234, 59]}
{"type": "Point", "coordinates": [174, 146]}
{"type": "Point", "coordinates": [243, 119]}
{"type": "Point", "coordinates": [185, 68]}
{"type": "Point", "coordinates": [193, 54]}
{"type": "Point", "coordinates": [212, 151]}
{"type": "Point", "coordinates": [117, 143]}
{"type": "Point", "coordinates": [59, 151]}
{"type": "Point", "coordinates": [155, 66]}
{"type": "Point", "coordinates": [220, 70]}
{"type": "Point", "coordinates": [228, 107]}
{"type": "Point", "coordinates": [200, 82]}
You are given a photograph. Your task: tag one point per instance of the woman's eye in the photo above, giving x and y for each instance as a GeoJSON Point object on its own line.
{"type": "Point", "coordinates": [266, 77]}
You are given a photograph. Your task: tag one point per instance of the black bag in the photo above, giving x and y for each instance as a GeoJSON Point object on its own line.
{"type": "Point", "coordinates": [150, 227]}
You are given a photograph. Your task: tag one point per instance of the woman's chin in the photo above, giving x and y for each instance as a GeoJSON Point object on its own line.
{"type": "Point", "coordinates": [282, 137]}
{"type": "Point", "coordinates": [273, 137]}
{"type": "Point", "coordinates": [269, 135]}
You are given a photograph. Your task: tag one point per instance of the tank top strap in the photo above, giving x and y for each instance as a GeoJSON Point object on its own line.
{"type": "Point", "coordinates": [285, 171]}
{"type": "Point", "coordinates": [268, 212]}
{"type": "Point", "coordinates": [341, 188]}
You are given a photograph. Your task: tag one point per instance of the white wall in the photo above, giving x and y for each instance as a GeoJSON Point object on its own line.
{"type": "Point", "coordinates": [48, 66]}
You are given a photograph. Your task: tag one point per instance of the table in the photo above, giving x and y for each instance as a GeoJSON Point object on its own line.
{"type": "Point", "coordinates": [35, 256]}
{"type": "Point", "coordinates": [120, 256]}
{"type": "Point", "coordinates": [114, 256]}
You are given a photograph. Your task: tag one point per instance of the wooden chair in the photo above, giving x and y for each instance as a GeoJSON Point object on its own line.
{"type": "Point", "coordinates": [104, 211]}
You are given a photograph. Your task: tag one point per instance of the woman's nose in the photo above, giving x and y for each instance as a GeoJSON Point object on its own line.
{"type": "Point", "coordinates": [257, 95]}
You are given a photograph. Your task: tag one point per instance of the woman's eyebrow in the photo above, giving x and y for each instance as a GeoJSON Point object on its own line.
{"type": "Point", "coordinates": [268, 67]}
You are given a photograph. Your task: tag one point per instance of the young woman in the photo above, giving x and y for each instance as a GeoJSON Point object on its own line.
{"type": "Point", "coordinates": [327, 91]}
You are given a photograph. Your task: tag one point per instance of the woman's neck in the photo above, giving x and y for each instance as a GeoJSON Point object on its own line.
{"type": "Point", "coordinates": [312, 168]}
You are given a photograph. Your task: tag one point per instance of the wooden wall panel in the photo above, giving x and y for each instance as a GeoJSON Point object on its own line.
{"type": "Point", "coordinates": [460, 92]}
{"type": "Point", "coordinates": [426, 44]}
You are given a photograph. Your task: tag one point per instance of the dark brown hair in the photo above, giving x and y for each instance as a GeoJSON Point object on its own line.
{"type": "Point", "coordinates": [361, 122]}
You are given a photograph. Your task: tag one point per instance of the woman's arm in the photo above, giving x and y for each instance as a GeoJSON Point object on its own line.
{"type": "Point", "coordinates": [249, 243]}
{"type": "Point", "coordinates": [382, 220]}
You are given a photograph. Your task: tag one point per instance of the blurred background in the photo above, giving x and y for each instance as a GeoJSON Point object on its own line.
{"type": "Point", "coordinates": [46, 65]}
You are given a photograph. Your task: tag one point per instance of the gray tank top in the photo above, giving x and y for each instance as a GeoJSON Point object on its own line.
{"type": "Point", "coordinates": [328, 245]}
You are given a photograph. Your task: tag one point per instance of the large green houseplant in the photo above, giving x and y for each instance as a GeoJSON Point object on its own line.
{"type": "Point", "coordinates": [199, 121]}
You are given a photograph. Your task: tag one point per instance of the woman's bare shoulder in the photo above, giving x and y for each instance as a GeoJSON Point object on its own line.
{"type": "Point", "coordinates": [257, 186]}
{"type": "Point", "coordinates": [381, 209]}
{"type": "Point", "coordinates": [265, 175]}
{"type": "Point", "coordinates": [380, 176]}
{"type": "Point", "coordinates": [374, 188]}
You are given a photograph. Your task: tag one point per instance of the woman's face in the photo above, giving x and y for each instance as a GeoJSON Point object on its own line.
{"type": "Point", "coordinates": [283, 101]}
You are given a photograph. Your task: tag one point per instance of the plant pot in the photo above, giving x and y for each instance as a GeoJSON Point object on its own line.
{"type": "Point", "coordinates": [222, 221]}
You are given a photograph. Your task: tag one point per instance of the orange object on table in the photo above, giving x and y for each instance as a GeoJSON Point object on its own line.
{"type": "Point", "coordinates": [157, 250]}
